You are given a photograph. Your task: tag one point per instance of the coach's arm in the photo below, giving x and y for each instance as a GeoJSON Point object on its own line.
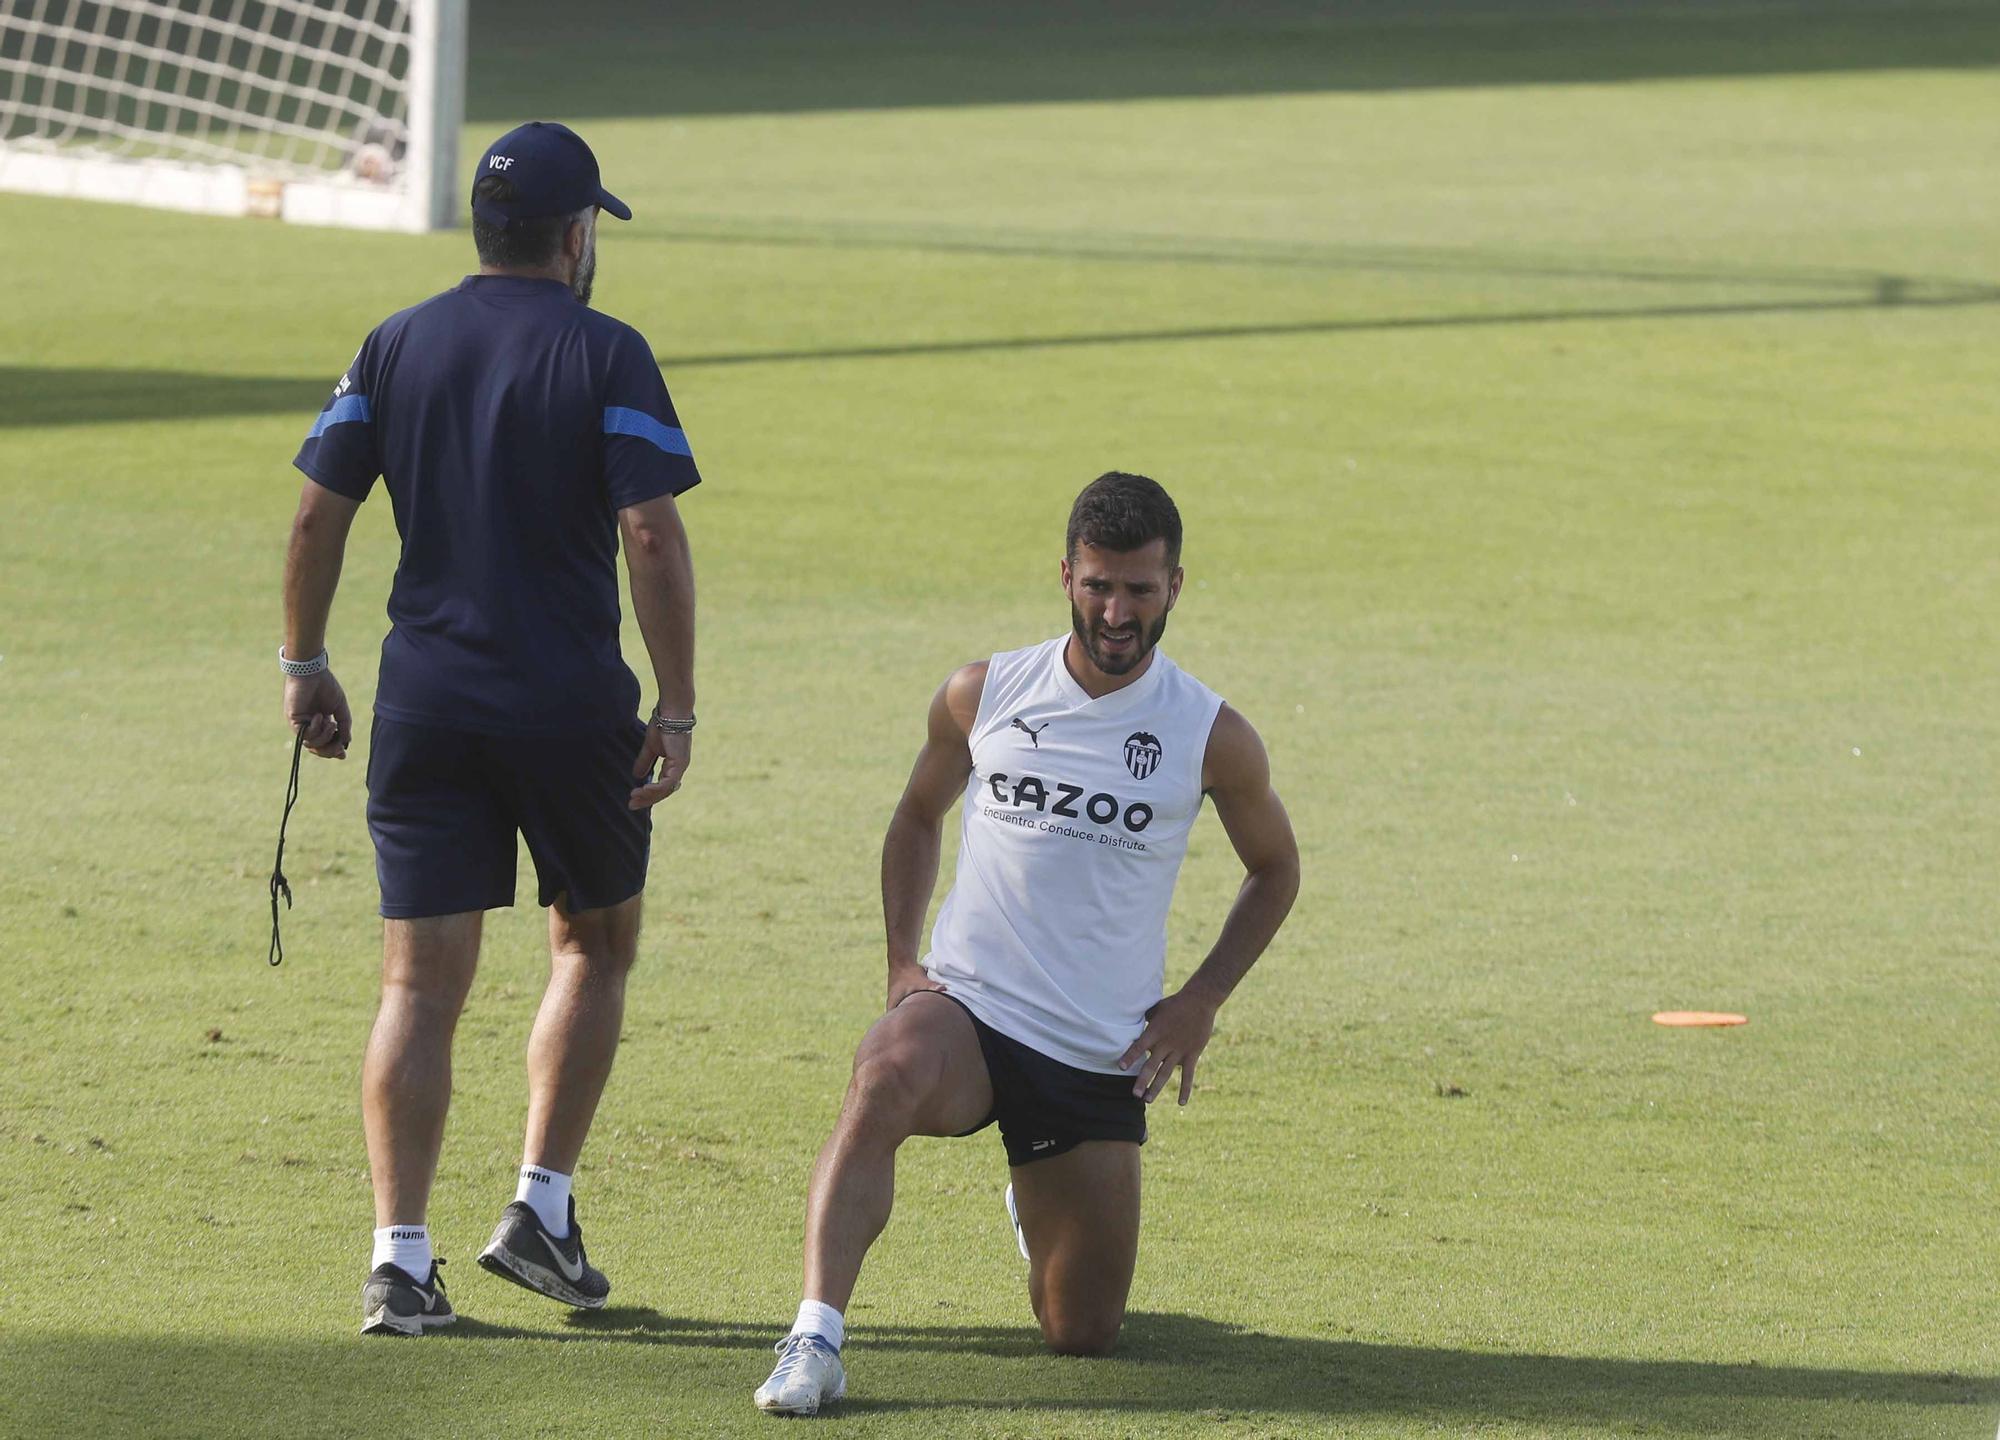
{"type": "Point", "coordinates": [1236, 773]}
{"type": "Point", "coordinates": [315, 703]}
{"type": "Point", "coordinates": [911, 850]}
{"type": "Point", "coordinates": [662, 575]}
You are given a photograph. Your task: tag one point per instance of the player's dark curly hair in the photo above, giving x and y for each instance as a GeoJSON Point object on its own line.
{"type": "Point", "coordinates": [524, 244]}
{"type": "Point", "coordinates": [1117, 511]}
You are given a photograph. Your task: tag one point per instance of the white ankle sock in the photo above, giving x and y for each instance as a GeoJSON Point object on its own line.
{"type": "Point", "coordinates": [547, 1194]}
{"type": "Point", "coordinates": [821, 1320]}
{"type": "Point", "coordinates": [407, 1247]}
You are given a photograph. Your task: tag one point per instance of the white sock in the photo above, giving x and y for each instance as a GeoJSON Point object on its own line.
{"type": "Point", "coordinates": [821, 1320]}
{"type": "Point", "coordinates": [547, 1194]}
{"type": "Point", "coordinates": [407, 1247]}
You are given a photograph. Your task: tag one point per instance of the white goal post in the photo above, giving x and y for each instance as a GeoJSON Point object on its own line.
{"type": "Point", "coordinates": [324, 112]}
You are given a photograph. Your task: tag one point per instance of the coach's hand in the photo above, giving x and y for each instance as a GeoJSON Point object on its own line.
{"type": "Point", "coordinates": [907, 978]}
{"type": "Point", "coordinates": [670, 753]}
{"type": "Point", "coordinates": [317, 705]}
{"type": "Point", "coordinates": [1177, 1031]}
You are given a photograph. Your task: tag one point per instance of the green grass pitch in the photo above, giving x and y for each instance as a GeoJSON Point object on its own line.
{"type": "Point", "coordinates": [1585, 422]}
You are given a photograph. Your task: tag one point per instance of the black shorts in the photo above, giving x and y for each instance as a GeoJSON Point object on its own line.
{"type": "Point", "coordinates": [1045, 1108]}
{"type": "Point", "coordinates": [443, 806]}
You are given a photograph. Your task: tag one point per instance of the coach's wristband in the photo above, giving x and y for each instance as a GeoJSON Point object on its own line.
{"type": "Point", "coordinates": [672, 727]}
{"type": "Point", "coordinates": [299, 669]}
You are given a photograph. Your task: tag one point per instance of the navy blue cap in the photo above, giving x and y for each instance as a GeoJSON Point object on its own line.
{"type": "Point", "coordinates": [552, 171]}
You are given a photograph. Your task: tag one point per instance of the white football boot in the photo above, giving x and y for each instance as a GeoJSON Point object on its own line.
{"type": "Point", "coordinates": [1014, 1218]}
{"type": "Point", "coordinates": [808, 1375]}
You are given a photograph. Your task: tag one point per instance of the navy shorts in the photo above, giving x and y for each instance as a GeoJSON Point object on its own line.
{"type": "Point", "coordinates": [1045, 1108]}
{"type": "Point", "coordinates": [444, 805]}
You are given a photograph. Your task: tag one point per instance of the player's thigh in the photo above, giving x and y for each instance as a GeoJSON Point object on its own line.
{"type": "Point", "coordinates": [921, 1065]}
{"type": "Point", "coordinates": [1080, 1215]}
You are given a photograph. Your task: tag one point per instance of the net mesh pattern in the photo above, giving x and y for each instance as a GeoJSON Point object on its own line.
{"type": "Point", "coordinates": [289, 89]}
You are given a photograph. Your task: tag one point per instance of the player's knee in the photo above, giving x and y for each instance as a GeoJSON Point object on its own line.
{"type": "Point", "coordinates": [887, 1088]}
{"type": "Point", "coordinates": [597, 945]}
{"type": "Point", "coordinates": [1073, 1325]}
{"type": "Point", "coordinates": [436, 992]}
{"type": "Point", "coordinates": [599, 963]}
{"type": "Point", "coordinates": [1072, 1333]}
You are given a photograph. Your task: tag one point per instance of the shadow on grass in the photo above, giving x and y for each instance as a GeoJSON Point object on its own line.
{"type": "Point", "coordinates": [32, 396]}
{"type": "Point", "coordinates": [1211, 1365]}
{"type": "Point", "coordinates": [66, 396]}
{"type": "Point", "coordinates": [1166, 1365]}
{"type": "Point", "coordinates": [674, 364]}
{"type": "Point", "coordinates": [1112, 247]}
{"type": "Point", "coordinates": [702, 57]}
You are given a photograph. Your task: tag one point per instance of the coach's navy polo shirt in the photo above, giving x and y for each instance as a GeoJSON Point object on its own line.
{"type": "Point", "coordinates": [510, 423]}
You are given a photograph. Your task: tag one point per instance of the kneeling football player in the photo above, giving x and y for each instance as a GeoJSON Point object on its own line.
{"type": "Point", "coordinates": [1083, 762]}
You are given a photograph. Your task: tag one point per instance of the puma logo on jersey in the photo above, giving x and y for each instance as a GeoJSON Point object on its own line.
{"type": "Point", "coordinates": [1034, 732]}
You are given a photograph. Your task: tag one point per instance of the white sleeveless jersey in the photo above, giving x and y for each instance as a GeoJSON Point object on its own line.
{"type": "Point", "coordinates": [1076, 819]}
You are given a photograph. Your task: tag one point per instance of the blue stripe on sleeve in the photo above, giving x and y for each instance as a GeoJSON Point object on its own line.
{"type": "Point", "coordinates": [347, 408]}
{"type": "Point", "coordinates": [618, 420]}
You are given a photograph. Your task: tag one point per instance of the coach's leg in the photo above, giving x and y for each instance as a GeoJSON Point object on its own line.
{"type": "Point", "coordinates": [576, 1031]}
{"type": "Point", "coordinates": [918, 1071]}
{"type": "Point", "coordinates": [427, 968]}
{"type": "Point", "coordinates": [1080, 1214]}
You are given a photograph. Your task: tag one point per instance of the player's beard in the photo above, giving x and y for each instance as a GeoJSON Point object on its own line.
{"type": "Point", "coordinates": [586, 268]}
{"type": "Point", "coordinates": [1116, 664]}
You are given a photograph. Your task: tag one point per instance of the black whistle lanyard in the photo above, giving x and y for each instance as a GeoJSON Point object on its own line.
{"type": "Point", "coordinates": [279, 884]}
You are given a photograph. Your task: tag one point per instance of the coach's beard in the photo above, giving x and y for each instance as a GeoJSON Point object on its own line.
{"type": "Point", "coordinates": [586, 270]}
{"type": "Point", "coordinates": [1115, 664]}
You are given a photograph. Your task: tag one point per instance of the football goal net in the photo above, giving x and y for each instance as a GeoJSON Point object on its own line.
{"type": "Point", "coordinates": [325, 112]}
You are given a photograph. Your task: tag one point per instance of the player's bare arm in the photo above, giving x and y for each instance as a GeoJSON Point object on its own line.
{"type": "Point", "coordinates": [315, 703]}
{"type": "Point", "coordinates": [911, 850]}
{"type": "Point", "coordinates": [661, 567]}
{"type": "Point", "coordinates": [1236, 774]}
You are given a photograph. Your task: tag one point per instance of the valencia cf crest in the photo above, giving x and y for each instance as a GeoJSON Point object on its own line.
{"type": "Point", "coordinates": [1142, 754]}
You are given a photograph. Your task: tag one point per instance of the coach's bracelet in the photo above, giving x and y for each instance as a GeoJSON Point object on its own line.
{"type": "Point", "coordinates": [299, 669]}
{"type": "Point", "coordinates": [672, 727]}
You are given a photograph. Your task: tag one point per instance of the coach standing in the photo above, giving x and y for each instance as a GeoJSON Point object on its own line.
{"type": "Point", "coordinates": [520, 434]}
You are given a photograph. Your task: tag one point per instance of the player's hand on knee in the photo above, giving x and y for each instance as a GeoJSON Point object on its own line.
{"type": "Point", "coordinates": [907, 979]}
{"type": "Point", "coordinates": [1177, 1031]}
{"type": "Point", "coordinates": [317, 705]}
{"type": "Point", "coordinates": [671, 754]}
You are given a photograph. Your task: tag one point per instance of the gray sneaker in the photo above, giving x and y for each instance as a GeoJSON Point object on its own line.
{"type": "Point", "coordinates": [808, 1375]}
{"type": "Point", "coordinates": [394, 1304]}
{"type": "Point", "coordinates": [522, 1250]}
